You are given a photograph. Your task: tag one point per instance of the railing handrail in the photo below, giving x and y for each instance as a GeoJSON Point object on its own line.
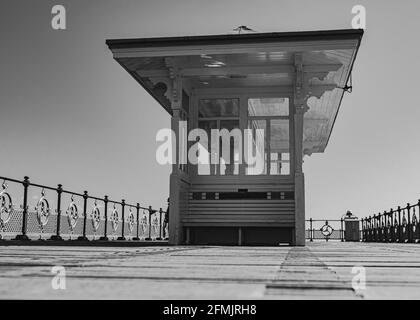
{"type": "Point", "coordinates": [323, 220]}
{"type": "Point", "coordinates": [78, 194]}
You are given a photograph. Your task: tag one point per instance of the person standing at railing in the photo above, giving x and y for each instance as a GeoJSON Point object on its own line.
{"type": "Point", "coordinates": [166, 223]}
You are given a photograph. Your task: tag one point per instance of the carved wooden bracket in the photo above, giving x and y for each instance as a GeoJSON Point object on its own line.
{"type": "Point", "coordinates": [168, 84]}
{"type": "Point", "coordinates": [310, 84]}
{"type": "Point", "coordinates": [176, 82]}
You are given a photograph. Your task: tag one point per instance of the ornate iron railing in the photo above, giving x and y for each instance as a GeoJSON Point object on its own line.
{"type": "Point", "coordinates": [324, 230]}
{"type": "Point", "coordinates": [399, 225]}
{"type": "Point", "coordinates": [84, 218]}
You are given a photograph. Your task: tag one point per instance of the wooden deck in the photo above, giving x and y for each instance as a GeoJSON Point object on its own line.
{"type": "Point", "coordinates": [319, 271]}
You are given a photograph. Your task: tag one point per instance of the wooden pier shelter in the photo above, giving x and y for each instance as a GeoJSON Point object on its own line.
{"type": "Point", "coordinates": [289, 85]}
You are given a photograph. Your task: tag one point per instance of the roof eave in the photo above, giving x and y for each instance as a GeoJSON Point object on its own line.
{"type": "Point", "coordinates": [346, 34]}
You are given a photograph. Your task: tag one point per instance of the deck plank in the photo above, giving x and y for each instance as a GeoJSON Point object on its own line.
{"type": "Point", "coordinates": [319, 271]}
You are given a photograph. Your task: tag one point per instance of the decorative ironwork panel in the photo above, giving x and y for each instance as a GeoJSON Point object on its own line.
{"type": "Point", "coordinates": [76, 215]}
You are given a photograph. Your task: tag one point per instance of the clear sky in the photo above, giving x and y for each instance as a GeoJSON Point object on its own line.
{"type": "Point", "coordinates": [70, 114]}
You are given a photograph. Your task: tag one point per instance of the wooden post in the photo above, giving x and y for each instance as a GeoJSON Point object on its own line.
{"type": "Point", "coordinates": [175, 227]}
{"type": "Point", "coordinates": [299, 111]}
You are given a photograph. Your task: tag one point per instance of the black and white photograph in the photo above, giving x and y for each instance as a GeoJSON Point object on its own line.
{"type": "Point", "coordinates": [213, 156]}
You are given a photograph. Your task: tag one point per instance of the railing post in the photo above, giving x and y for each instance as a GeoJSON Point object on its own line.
{"type": "Point", "coordinates": [391, 223]}
{"type": "Point", "coordinates": [383, 226]}
{"type": "Point", "coordinates": [57, 236]}
{"type": "Point", "coordinates": [342, 230]}
{"type": "Point", "coordinates": [380, 234]}
{"type": "Point", "coordinates": [399, 225]}
{"type": "Point", "coordinates": [23, 236]}
{"type": "Point", "coordinates": [327, 237]}
{"type": "Point", "coordinates": [409, 225]}
{"type": "Point", "coordinates": [311, 235]}
{"type": "Point", "coordinates": [394, 232]}
{"type": "Point", "coordinates": [138, 222]}
{"type": "Point", "coordinates": [123, 221]}
{"type": "Point", "coordinates": [150, 224]}
{"type": "Point", "coordinates": [105, 237]}
{"type": "Point", "coordinates": [367, 230]}
{"type": "Point", "coordinates": [381, 231]}
{"type": "Point", "coordinates": [375, 229]}
{"type": "Point", "coordinates": [386, 226]}
{"type": "Point", "coordinates": [85, 198]}
{"type": "Point", "coordinates": [418, 222]}
{"type": "Point", "coordinates": [390, 213]}
{"type": "Point", "coordinates": [362, 238]}
{"type": "Point", "coordinates": [160, 225]}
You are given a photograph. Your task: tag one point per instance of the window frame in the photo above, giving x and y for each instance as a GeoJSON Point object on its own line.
{"type": "Point", "coordinates": [268, 119]}
{"type": "Point", "coordinates": [243, 97]}
{"type": "Point", "coordinates": [218, 120]}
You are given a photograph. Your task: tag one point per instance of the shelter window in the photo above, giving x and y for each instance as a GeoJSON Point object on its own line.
{"type": "Point", "coordinates": [210, 108]}
{"type": "Point", "coordinates": [220, 114]}
{"type": "Point", "coordinates": [269, 117]}
{"type": "Point", "coordinates": [267, 107]}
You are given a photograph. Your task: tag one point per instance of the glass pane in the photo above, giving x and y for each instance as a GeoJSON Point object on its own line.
{"type": "Point", "coordinates": [255, 149]}
{"type": "Point", "coordinates": [185, 102]}
{"type": "Point", "coordinates": [229, 163]}
{"type": "Point", "coordinates": [263, 107]}
{"type": "Point", "coordinates": [207, 169]}
{"type": "Point", "coordinates": [279, 147]}
{"type": "Point", "coordinates": [209, 108]}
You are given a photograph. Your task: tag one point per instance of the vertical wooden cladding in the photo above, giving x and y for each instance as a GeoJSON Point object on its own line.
{"type": "Point", "coordinates": [183, 197]}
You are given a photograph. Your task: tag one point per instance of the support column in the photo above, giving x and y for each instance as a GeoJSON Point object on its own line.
{"type": "Point", "coordinates": [300, 109]}
{"type": "Point", "coordinates": [175, 226]}
{"type": "Point", "coordinates": [299, 180]}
